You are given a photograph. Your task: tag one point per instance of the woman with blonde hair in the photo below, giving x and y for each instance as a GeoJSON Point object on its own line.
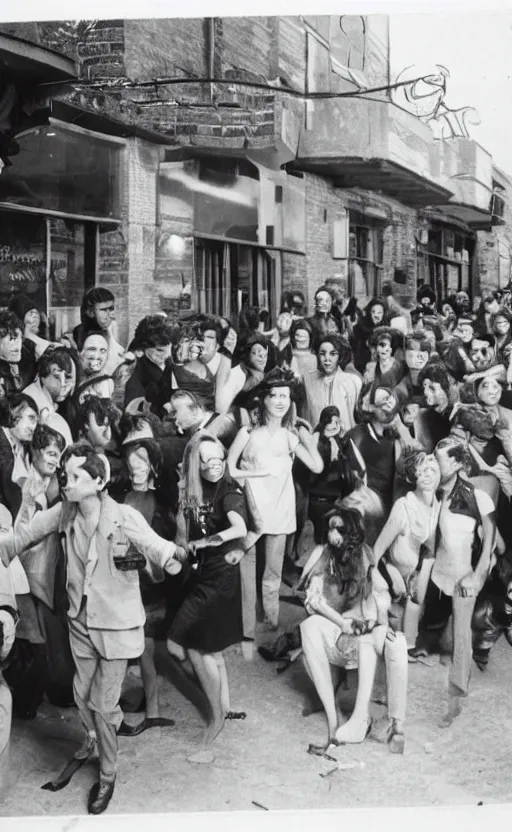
{"type": "Point", "coordinates": [212, 523]}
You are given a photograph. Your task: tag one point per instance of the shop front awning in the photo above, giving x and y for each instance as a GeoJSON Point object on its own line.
{"type": "Point", "coordinates": [25, 61]}
{"type": "Point", "coordinates": [476, 218]}
{"type": "Point", "coordinates": [390, 178]}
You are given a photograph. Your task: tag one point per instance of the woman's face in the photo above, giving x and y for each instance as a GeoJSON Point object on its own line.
{"type": "Point", "coordinates": [377, 314]}
{"type": "Point", "coordinates": [384, 351]}
{"type": "Point", "coordinates": [501, 325]}
{"type": "Point", "coordinates": [302, 339]}
{"type": "Point", "coordinates": [447, 311]}
{"type": "Point", "coordinates": [277, 402]}
{"type": "Point", "coordinates": [333, 428]}
{"type": "Point", "coordinates": [489, 392]}
{"type": "Point", "coordinates": [139, 466]}
{"type": "Point", "coordinates": [323, 303]}
{"type": "Point", "coordinates": [410, 414]}
{"type": "Point", "coordinates": [428, 474]}
{"type": "Point", "coordinates": [32, 321]}
{"type": "Point", "coordinates": [258, 357]}
{"type": "Point", "coordinates": [211, 460]}
{"type": "Point", "coordinates": [328, 359]}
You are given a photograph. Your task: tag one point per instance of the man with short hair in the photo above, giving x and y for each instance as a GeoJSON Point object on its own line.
{"type": "Point", "coordinates": [461, 566]}
{"type": "Point", "coordinates": [15, 437]}
{"type": "Point", "coordinates": [104, 607]}
{"type": "Point", "coordinates": [433, 422]}
{"type": "Point", "coordinates": [210, 333]}
{"type": "Point", "coordinates": [190, 414]}
{"type": "Point", "coordinates": [53, 370]}
{"type": "Point", "coordinates": [152, 338]}
{"type": "Point", "coordinates": [95, 421]}
{"type": "Point", "coordinates": [13, 377]}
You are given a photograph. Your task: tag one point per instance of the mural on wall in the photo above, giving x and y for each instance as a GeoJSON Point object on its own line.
{"type": "Point", "coordinates": [425, 96]}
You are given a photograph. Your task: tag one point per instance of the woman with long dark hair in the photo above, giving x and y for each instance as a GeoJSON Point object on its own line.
{"type": "Point", "coordinates": [348, 602]}
{"type": "Point", "coordinates": [337, 479]}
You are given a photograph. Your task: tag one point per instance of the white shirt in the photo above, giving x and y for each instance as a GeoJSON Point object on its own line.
{"type": "Point", "coordinates": [454, 550]}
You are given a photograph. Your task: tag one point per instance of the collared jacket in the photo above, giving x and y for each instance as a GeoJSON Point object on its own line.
{"type": "Point", "coordinates": [113, 596]}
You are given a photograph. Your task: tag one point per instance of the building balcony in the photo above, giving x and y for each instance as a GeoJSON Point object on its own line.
{"type": "Point", "coordinates": [373, 145]}
{"type": "Point", "coordinates": [467, 170]}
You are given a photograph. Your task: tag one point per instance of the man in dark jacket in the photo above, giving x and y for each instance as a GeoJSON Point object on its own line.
{"type": "Point", "coordinates": [153, 338]}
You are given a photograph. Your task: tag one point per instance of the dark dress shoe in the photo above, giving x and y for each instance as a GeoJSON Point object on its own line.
{"type": "Point", "coordinates": [417, 652]}
{"type": "Point", "coordinates": [100, 796]}
{"type": "Point", "coordinates": [126, 730]}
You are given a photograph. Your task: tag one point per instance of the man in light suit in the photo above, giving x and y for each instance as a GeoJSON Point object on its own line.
{"type": "Point", "coordinates": [102, 544]}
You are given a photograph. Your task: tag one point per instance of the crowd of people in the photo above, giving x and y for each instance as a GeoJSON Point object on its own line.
{"type": "Point", "coordinates": [153, 499]}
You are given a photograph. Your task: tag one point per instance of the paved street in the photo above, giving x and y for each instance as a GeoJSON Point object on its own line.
{"type": "Point", "coordinates": [263, 759]}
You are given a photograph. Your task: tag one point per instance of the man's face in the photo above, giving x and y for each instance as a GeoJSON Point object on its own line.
{"type": "Point", "coordinates": [323, 303]}
{"type": "Point", "coordinates": [384, 350]}
{"type": "Point", "coordinates": [385, 406]}
{"type": "Point", "coordinates": [10, 347]}
{"type": "Point", "coordinates": [55, 383]}
{"type": "Point", "coordinates": [481, 354]}
{"type": "Point", "coordinates": [158, 355]}
{"type": "Point", "coordinates": [210, 345]}
{"type": "Point", "coordinates": [46, 460]}
{"type": "Point", "coordinates": [302, 339]}
{"type": "Point", "coordinates": [490, 392]}
{"type": "Point", "coordinates": [434, 394]}
{"type": "Point", "coordinates": [185, 415]}
{"type": "Point", "coordinates": [464, 330]}
{"type": "Point", "coordinates": [448, 466]}
{"type": "Point", "coordinates": [98, 435]}
{"type": "Point", "coordinates": [501, 325]}
{"type": "Point", "coordinates": [377, 314]}
{"type": "Point", "coordinates": [24, 428]}
{"type": "Point", "coordinates": [415, 358]}
{"type": "Point", "coordinates": [104, 314]}
{"type": "Point", "coordinates": [79, 483]}
{"type": "Point", "coordinates": [94, 355]}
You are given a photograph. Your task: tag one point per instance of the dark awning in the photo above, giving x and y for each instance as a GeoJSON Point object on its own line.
{"type": "Point", "coordinates": [377, 175]}
{"type": "Point", "coordinates": [23, 60]}
{"type": "Point", "coordinates": [98, 123]}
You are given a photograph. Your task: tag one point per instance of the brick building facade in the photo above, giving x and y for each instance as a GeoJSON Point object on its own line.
{"type": "Point", "coordinates": [228, 191]}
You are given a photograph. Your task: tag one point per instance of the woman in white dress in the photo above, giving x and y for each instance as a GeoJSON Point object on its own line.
{"type": "Point", "coordinates": [408, 538]}
{"type": "Point", "coordinates": [262, 458]}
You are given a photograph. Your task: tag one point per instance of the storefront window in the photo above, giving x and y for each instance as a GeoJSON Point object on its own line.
{"type": "Point", "coordinates": [444, 263]}
{"type": "Point", "coordinates": [230, 276]}
{"type": "Point", "coordinates": [51, 261]}
{"type": "Point", "coordinates": [63, 170]}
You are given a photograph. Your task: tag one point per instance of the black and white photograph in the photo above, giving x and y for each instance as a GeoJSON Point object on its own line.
{"type": "Point", "coordinates": [255, 411]}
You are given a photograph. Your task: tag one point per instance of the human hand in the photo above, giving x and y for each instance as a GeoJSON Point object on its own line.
{"type": "Point", "coordinates": [234, 557]}
{"type": "Point", "coordinates": [314, 603]}
{"type": "Point", "coordinates": [468, 587]}
{"type": "Point", "coordinates": [181, 554]}
{"type": "Point", "coordinates": [230, 341]}
{"type": "Point", "coordinates": [7, 632]}
{"type": "Point", "coordinates": [193, 546]}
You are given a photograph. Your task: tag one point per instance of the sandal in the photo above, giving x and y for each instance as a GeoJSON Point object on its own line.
{"type": "Point", "coordinates": [235, 715]}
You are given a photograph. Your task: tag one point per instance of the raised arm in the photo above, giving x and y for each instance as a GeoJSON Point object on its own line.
{"type": "Point", "coordinates": [307, 451]}
{"type": "Point", "coordinates": [14, 541]}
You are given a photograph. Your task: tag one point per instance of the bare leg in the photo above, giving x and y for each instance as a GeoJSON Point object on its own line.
{"type": "Point", "coordinates": [318, 668]}
{"type": "Point", "coordinates": [224, 683]}
{"type": "Point", "coordinates": [208, 673]}
{"type": "Point", "coordinates": [356, 729]}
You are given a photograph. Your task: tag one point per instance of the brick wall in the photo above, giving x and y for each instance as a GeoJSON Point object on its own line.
{"type": "Point", "coordinates": [324, 205]}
